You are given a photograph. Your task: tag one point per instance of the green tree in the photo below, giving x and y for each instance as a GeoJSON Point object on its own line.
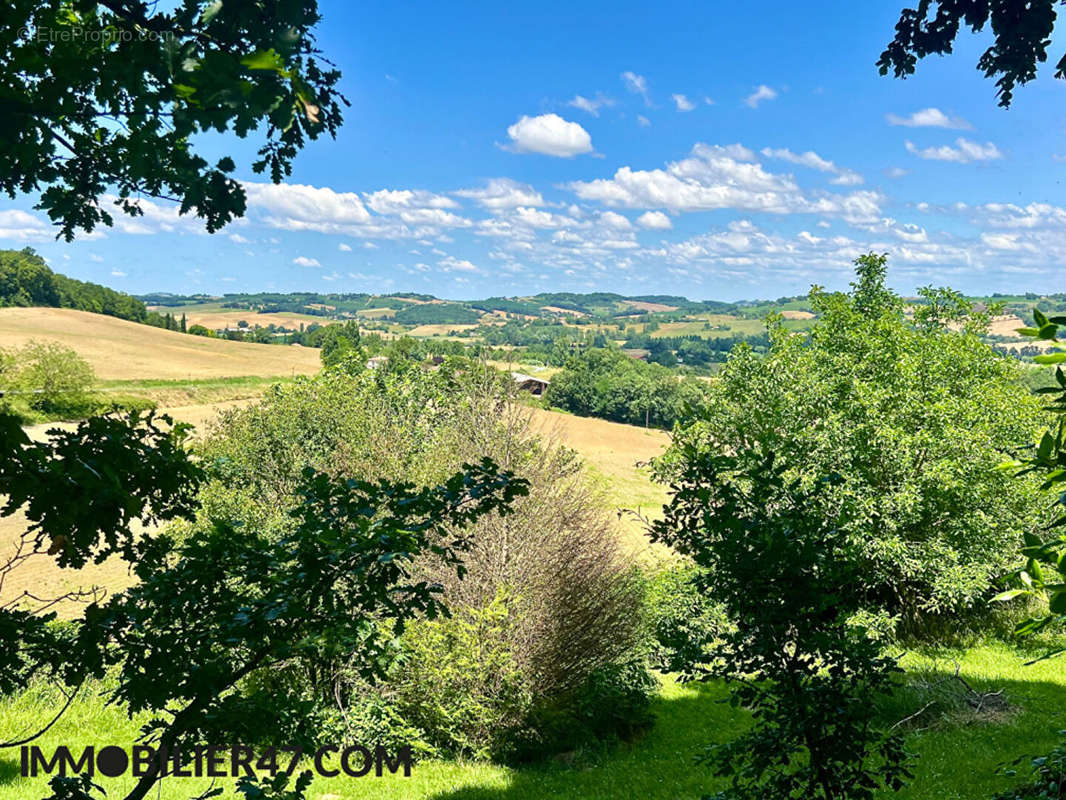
{"type": "Point", "coordinates": [1044, 574]}
{"type": "Point", "coordinates": [1021, 36]}
{"type": "Point", "coordinates": [339, 342]}
{"type": "Point", "coordinates": [776, 554]}
{"type": "Point", "coordinates": [551, 579]}
{"type": "Point", "coordinates": [212, 613]}
{"type": "Point", "coordinates": [55, 375]}
{"type": "Point", "coordinates": [914, 415]}
{"type": "Point", "coordinates": [135, 84]}
{"type": "Point", "coordinates": [611, 385]}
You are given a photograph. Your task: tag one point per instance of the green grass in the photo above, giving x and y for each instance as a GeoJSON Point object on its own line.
{"type": "Point", "coordinates": [957, 752]}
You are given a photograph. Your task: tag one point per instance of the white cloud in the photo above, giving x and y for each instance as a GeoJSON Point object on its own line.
{"type": "Point", "coordinates": [294, 206]}
{"type": "Point", "coordinates": [683, 103]}
{"type": "Point", "coordinates": [716, 177]}
{"type": "Point", "coordinates": [304, 261]}
{"type": "Point", "coordinates": [501, 193]}
{"type": "Point", "coordinates": [591, 105]}
{"type": "Point", "coordinates": [452, 264]}
{"type": "Point", "coordinates": [616, 221]}
{"type": "Point", "coordinates": [388, 201]}
{"type": "Point", "coordinates": [550, 135]}
{"type": "Point", "coordinates": [654, 221]}
{"type": "Point", "coordinates": [398, 213]}
{"type": "Point", "coordinates": [535, 218]}
{"type": "Point", "coordinates": [896, 172]}
{"type": "Point", "coordinates": [344, 248]}
{"type": "Point", "coordinates": [929, 118]}
{"type": "Point", "coordinates": [118, 273]}
{"type": "Point", "coordinates": [23, 226]}
{"type": "Point", "coordinates": [760, 94]}
{"type": "Point", "coordinates": [637, 84]}
{"type": "Point", "coordinates": [844, 176]}
{"type": "Point", "coordinates": [643, 121]}
{"type": "Point", "coordinates": [964, 152]}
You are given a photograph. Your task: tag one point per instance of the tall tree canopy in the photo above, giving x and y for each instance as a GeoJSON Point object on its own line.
{"type": "Point", "coordinates": [1021, 30]}
{"type": "Point", "coordinates": [100, 101]}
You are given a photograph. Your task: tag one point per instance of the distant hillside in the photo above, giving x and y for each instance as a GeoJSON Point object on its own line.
{"type": "Point", "coordinates": [119, 349]}
{"type": "Point", "coordinates": [26, 280]}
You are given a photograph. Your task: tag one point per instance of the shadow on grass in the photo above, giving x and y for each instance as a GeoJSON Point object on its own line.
{"type": "Point", "coordinates": [659, 764]}
{"type": "Point", "coordinates": [958, 750]}
{"type": "Point", "coordinates": [9, 768]}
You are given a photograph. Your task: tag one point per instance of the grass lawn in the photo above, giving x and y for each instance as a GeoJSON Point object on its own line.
{"type": "Point", "coordinates": [957, 753]}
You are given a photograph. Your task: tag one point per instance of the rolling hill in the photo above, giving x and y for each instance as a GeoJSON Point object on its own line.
{"type": "Point", "coordinates": [121, 350]}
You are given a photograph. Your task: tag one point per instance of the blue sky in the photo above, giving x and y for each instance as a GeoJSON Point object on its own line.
{"type": "Point", "coordinates": [720, 151]}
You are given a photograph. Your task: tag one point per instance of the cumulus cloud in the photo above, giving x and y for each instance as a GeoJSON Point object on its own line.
{"type": "Point", "coordinates": [643, 121]}
{"type": "Point", "coordinates": [964, 152]}
{"type": "Point", "coordinates": [717, 177]}
{"type": "Point", "coordinates": [928, 118]}
{"type": "Point", "coordinates": [397, 213]}
{"type": "Point", "coordinates": [550, 135]}
{"type": "Point", "coordinates": [760, 94]}
{"type": "Point", "coordinates": [637, 84]}
{"type": "Point", "coordinates": [304, 261]}
{"type": "Point", "coordinates": [452, 264]}
{"type": "Point", "coordinates": [389, 201]}
{"type": "Point", "coordinates": [591, 105]}
{"type": "Point", "coordinates": [843, 176]}
{"type": "Point", "coordinates": [654, 221]}
{"type": "Point", "coordinates": [683, 103]}
{"type": "Point", "coordinates": [501, 193]}
{"type": "Point", "coordinates": [23, 226]}
{"type": "Point", "coordinates": [294, 206]}
{"type": "Point", "coordinates": [344, 248]}
{"type": "Point", "coordinates": [236, 238]}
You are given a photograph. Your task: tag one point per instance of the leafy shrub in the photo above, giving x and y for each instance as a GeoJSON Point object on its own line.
{"type": "Point", "coordinates": [611, 385]}
{"type": "Point", "coordinates": [682, 619]}
{"type": "Point", "coordinates": [781, 568]}
{"type": "Point", "coordinates": [457, 682]}
{"type": "Point", "coordinates": [613, 703]}
{"type": "Point", "coordinates": [1048, 781]}
{"type": "Point", "coordinates": [55, 377]}
{"type": "Point", "coordinates": [572, 599]}
{"type": "Point", "coordinates": [914, 415]}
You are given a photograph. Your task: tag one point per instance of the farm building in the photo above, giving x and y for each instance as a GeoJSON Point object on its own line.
{"type": "Point", "coordinates": [529, 383]}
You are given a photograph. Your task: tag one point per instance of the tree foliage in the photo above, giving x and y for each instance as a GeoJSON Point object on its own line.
{"type": "Point", "coordinates": [209, 613]}
{"type": "Point", "coordinates": [52, 376]}
{"type": "Point", "coordinates": [609, 384]}
{"type": "Point", "coordinates": [549, 599]}
{"type": "Point", "coordinates": [101, 101]}
{"type": "Point", "coordinates": [1044, 575]}
{"type": "Point", "coordinates": [777, 555]}
{"type": "Point", "coordinates": [25, 280]}
{"type": "Point", "coordinates": [915, 415]}
{"type": "Point", "coordinates": [1021, 30]}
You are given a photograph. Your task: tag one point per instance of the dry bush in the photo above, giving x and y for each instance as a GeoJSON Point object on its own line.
{"type": "Point", "coordinates": [574, 599]}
